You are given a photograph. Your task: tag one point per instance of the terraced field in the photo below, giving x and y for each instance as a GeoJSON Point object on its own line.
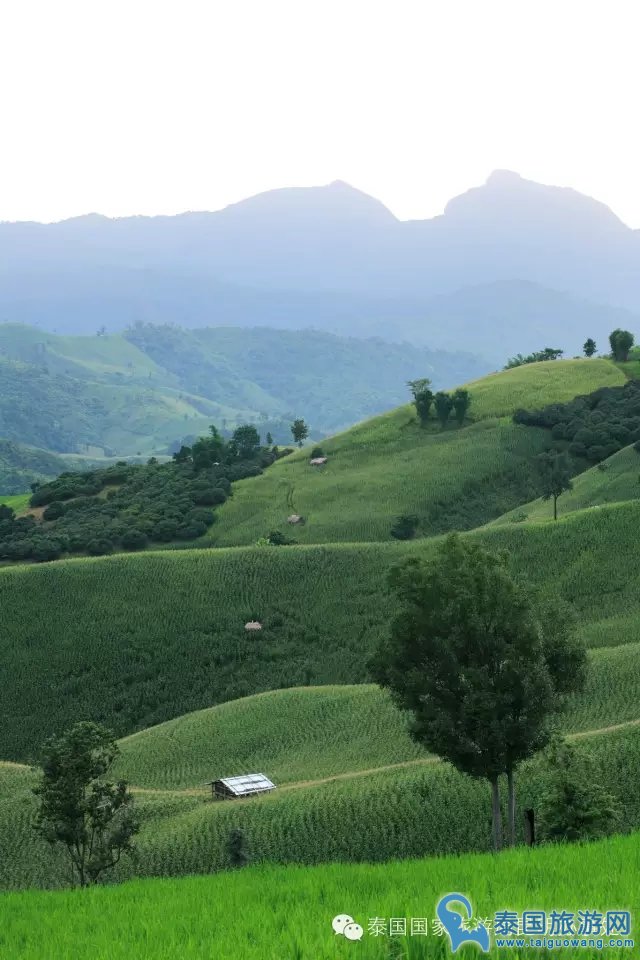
{"type": "Point", "coordinates": [369, 795]}
{"type": "Point", "coordinates": [175, 640]}
{"type": "Point", "coordinates": [144, 640]}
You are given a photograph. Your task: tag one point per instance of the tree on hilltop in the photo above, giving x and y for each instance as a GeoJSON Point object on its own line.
{"type": "Point", "coordinates": [589, 347]}
{"type": "Point", "coordinates": [556, 477]}
{"type": "Point", "coordinates": [444, 406]}
{"type": "Point", "coordinates": [461, 402]}
{"type": "Point", "coordinates": [422, 398]}
{"type": "Point", "coordinates": [480, 671]}
{"type": "Point", "coordinates": [91, 818]}
{"type": "Point", "coordinates": [621, 342]}
{"type": "Point", "coordinates": [299, 431]}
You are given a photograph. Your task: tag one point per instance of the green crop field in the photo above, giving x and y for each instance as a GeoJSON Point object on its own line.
{"type": "Point", "coordinates": [18, 501]}
{"type": "Point", "coordinates": [265, 913]}
{"type": "Point", "coordinates": [413, 807]}
{"type": "Point", "coordinates": [154, 646]}
{"type": "Point", "coordinates": [456, 479]}
{"type": "Point", "coordinates": [175, 639]}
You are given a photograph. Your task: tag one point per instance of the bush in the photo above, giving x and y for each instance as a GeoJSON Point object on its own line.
{"type": "Point", "coordinates": [317, 452]}
{"type": "Point", "coordinates": [45, 550]}
{"type": "Point", "coordinates": [134, 540]}
{"type": "Point", "coordinates": [278, 539]}
{"type": "Point", "coordinates": [99, 547]}
{"type": "Point", "coordinates": [404, 527]}
{"type": "Point", "coordinates": [55, 509]}
{"type": "Point", "coordinates": [164, 531]}
{"type": "Point", "coordinates": [212, 496]}
{"type": "Point", "coordinates": [191, 531]}
{"type": "Point", "coordinates": [574, 804]}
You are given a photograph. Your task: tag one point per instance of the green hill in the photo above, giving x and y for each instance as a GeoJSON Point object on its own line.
{"type": "Point", "coordinates": [456, 479]}
{"type": "Point", "coordinates": [612, 481]}
{"type": "Point", "coordinates": [415, 805]}
{"type": "Point", "coordinates": [158, 635]}
{"type": "Point", "coordinates": [175, 640]}
{"type": "Point", "coordinates": [139, 392]}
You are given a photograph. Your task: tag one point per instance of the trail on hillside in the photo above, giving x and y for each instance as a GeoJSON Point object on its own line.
{"type": "Point", "coordinates": [369, 771]}
{"type": "Point", "coordinates": [203, 791]}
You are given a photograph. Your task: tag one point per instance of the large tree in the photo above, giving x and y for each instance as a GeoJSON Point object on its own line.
{"type": "Point", "coordinates": [621, 342]}
{"type": "Point", "coordinates": [461, 402]}
{"type": "Point", "coordinates": [245, 442]}
{"type": "Point", "coordinates": [589, 347]}
{"type": "Point", "coordinates": [422, 398]}
{"type": "Point", "coordinates": [444, 406]}
{"type": "Point", "coordinates": [469, 659]}
{"type": "Point", "coordinates": [91, 818]}
{"type": "Point", "coordinates": [556, 477]}
{"type": "Point", "coordinates": [299, 431]}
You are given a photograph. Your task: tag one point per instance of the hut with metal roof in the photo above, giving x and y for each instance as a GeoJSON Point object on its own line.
{"type": "Point", "coordinates": [236, 788]}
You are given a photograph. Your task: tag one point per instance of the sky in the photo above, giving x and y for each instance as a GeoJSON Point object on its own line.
{"type": "Point", "coordinates": [161, 106]}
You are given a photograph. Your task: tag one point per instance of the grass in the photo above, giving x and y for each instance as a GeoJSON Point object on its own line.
{"type": "Point", "coordinates": [17, 501]}
{"type": "Point", "coordinates": [537, 384]}
{"type": "Point", "coordinates": [456, 479]}
{"type": "Point", "coordinates": [265, 913]}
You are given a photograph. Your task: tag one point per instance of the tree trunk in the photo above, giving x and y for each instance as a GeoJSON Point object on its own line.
{"type": "Point", "coordinates": [497, 815]}
{"type": "Point", "coordinates": [511, 806]}
{"type": "Point", "coordinates": [555, 508]}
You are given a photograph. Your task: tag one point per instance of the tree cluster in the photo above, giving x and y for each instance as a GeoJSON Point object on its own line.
{"type": "Point", "coordinates": [127, 506]}
{"type": "Point", "coordinates": [549, 353]}
{"type": "Point", "coordinates": [621, 342]}
{"type": "Point", "coordinates": [594, 426]}
{"type": "Point", "coordinates": [443, 404]}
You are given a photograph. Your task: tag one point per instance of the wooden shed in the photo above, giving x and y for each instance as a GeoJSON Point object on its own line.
{"type": "Point", "coordinates": [236, 788]}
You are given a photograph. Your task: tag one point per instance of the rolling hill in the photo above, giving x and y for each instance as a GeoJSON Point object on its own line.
{"type": "Point", "coordinates": [143, 391]}
{"type": "Point", "coordinates": [156, 648]}
{"type": "Point", "coordinates": [456, 479]}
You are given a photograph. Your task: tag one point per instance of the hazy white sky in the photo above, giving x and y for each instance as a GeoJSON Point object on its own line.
{"type": "Point", "coordinates": [160, 106]}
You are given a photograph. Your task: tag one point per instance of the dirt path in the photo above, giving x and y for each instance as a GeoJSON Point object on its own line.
{"type": "Point", "coordinates": [348, 775]}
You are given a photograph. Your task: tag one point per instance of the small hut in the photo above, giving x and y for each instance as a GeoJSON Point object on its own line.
{"type": "Point", "coordinates": [236, 788]}
{"type": "Point", "coordinates": [318, 461]}
{"type": "Point", "coordinates": [253, 625]}
{"type": "Point", "coordinates": [295, 519]}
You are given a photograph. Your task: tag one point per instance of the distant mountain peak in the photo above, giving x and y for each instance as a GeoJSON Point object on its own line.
{"type": "Point", "coordinates": [337, 200]}
{"type": "Point", "coordinates": [509, 197]}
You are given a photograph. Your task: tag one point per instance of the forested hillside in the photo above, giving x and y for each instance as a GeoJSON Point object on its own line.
{"type": "Point", "coordinates": [144, 392]}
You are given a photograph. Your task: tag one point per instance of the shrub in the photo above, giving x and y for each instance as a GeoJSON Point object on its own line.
{"type": "Point", "coordinates": [99, 546]}
{"type": "Point", "coordinates": [317, 452]}
{"type": "Point", "coordinates": [404, 527]}
{"type": "Point", "coordinates": [55, 509]}
{"type": "Point", "coordinates": [164, 530]}
{"type": "Point", "coordinates": [134, 540]}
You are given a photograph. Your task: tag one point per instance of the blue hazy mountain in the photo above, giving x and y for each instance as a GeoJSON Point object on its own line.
{"type": "Point", "coordinates": [508, 267]}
